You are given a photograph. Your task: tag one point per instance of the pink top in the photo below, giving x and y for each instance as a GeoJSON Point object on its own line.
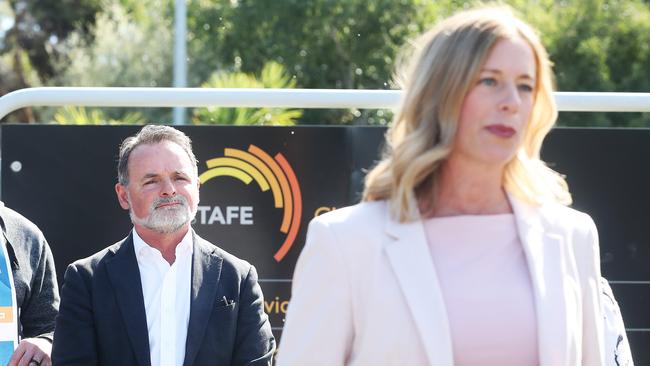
{"type": "Point", "coordinates": [486, 288]}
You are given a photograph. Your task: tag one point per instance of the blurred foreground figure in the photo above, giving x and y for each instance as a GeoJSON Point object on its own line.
{"type": "Point", "coordinates": [464, 251]}
{"type": "Point", "coordinates": [34, 287]}
{"type": "Point", "coordinates": [617, 347]}
{"type": "Point", "coordinates": [163, 295]}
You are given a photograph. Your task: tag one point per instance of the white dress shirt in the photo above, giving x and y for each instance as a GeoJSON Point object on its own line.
{"type": "Point", "coordinates": [166, 292]}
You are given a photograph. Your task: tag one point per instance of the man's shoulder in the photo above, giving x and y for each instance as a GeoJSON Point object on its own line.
{"type": "Point", "coordinates": [16, 225]}
{"type": "Point", "coordinates": [230, 261]}
{"type": "Point", "coordinates": [97, 259]}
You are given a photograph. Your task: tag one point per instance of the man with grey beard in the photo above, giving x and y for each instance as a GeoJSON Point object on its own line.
{"type": "Point", "coordinates": [163, 295]}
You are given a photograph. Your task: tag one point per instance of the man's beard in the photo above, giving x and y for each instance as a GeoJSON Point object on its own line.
{"type": "Point", "coordinates": [165, 220]}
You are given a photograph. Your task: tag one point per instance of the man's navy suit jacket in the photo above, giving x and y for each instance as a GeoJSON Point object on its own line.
{"type": "Point", "coordinates": [102, 317]}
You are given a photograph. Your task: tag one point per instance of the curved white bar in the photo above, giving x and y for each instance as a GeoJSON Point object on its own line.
{"type": "Point", "coordinates": [291, 98]}
{"type": "Point", "coordinates": [602, 102]}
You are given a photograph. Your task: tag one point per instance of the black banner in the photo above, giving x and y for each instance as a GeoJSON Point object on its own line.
{"type": "Point", "coordinates": [262, 185]}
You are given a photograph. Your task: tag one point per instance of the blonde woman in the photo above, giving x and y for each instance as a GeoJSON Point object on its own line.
{"type": "Point", "coordinates": [463, 251]}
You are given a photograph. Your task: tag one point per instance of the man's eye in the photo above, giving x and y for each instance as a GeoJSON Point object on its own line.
{"type": "Point", "coordinates": [149, 182]}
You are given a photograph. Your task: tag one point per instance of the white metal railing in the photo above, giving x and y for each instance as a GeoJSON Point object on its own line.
{"type": "Point", "coordinates": [290, 98]}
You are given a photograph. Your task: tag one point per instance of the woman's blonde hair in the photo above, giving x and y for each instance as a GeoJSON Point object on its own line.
{"type": "Point", "coordinates": [444, 64]}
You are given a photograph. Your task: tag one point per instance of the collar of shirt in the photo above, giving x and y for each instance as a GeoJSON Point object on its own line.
{"type": "Point", "coordinates": [166, 290]}
{"type": "Point", "coordinates": [142, 249]}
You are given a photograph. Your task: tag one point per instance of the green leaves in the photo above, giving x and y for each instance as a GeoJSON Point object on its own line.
{"type": "Point", "coordinates": [71, 115]}
{"type": "Point", "coordinates": [601, 46]}
{"type": "Point", "coordinates": [338, 44]}
{"type": "Point", "coordinates": [596, 45]}
{"type": "Point", "coordinates": [273, 75]}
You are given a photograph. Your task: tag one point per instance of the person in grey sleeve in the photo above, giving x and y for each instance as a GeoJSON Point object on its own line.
{"type": "Point", "coordinates": [37, 294]}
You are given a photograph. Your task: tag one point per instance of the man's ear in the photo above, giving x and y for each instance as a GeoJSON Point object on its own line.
{"type": "Point", "coordinates": [122, 196]}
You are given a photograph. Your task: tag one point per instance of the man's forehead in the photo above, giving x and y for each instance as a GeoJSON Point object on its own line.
{"type": "Point", "coordinates": [153, 173]}
{"type": "Point", "coordinates": [166, 149]}
{"type": "Point", "coordinates": [163, 155]}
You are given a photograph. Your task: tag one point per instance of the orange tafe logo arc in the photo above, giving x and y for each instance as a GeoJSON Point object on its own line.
{"type": "Point", "coordinates": [269, 173]}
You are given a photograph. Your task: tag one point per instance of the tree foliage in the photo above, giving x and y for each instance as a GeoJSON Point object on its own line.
{"type": "Point", "coordinates": [71, 115]}
{"type": "Point", "coordinates": [596, 45]}
{"type": "Point", "coordinates": [347, 44]}
{"type": "Point", "coordinates": [39, 25]}
{"type": "Point", "coordinates": [131, 49]}
{"type": "Point", "coordinates": [29, 47]}
{"type": "Point", "coordinates": [603, 46]}
{"type": "Point", "coordinates": [272, 75]}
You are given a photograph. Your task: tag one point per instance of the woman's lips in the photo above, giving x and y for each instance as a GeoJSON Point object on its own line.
{"type": "Point", "coordinates": [501, 130]}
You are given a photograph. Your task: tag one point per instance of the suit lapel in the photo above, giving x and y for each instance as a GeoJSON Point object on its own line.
{"type": "Point", "coordinates": [545, 258]}
{"type": "Point", "coordinates": [409, 256]}
{"type": "Point", "coordinates": [206, 271]}
{"type": "Point", "coordinates": [124, 276]}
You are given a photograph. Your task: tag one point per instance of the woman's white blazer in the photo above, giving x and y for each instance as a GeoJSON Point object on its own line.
{"type": "Point", "coordinates": [365, 290]}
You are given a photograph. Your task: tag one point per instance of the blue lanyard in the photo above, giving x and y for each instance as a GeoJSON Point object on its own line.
{"type": "Point", "coordinates": [8, 308]}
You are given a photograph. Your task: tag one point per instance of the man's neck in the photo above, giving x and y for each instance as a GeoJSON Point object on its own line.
{"type": "Point", "coordinates": [165, 243]}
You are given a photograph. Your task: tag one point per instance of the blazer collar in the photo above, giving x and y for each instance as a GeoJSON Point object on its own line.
{"type": "Point", "coordinates": [409, 256]}
{"type": "Point", "coordinates": [206, 272]}
{"type": "Point", "coordinates": [545, 258]}
{"type": "Point", "coordinates": [124, 276]}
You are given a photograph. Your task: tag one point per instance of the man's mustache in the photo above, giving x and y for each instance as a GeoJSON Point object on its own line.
{"type": "Point", "coordinates": [169, 200]}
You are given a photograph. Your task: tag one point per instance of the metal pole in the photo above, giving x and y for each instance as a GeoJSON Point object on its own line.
{"type": "Point", "coordinates": [180, 54]}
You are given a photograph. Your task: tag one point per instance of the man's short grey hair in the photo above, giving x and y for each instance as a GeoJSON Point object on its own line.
{"type": "Point", "coordinates": [149, 135]}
